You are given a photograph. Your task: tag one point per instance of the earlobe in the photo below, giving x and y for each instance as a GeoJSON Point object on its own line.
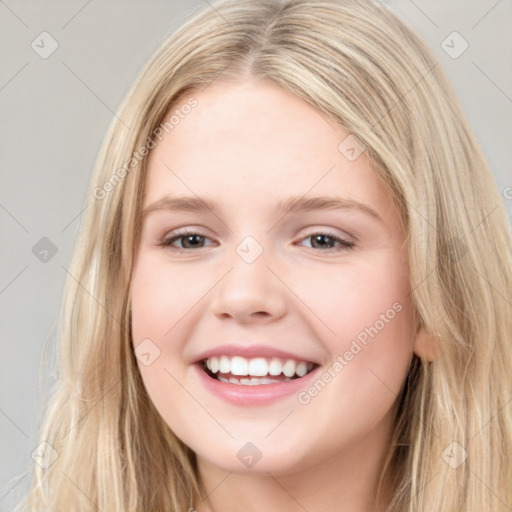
{"type": "Point", "coordinates": [426, 345]}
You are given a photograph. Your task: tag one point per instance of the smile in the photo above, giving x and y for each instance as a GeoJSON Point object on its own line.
{"type": "Point", "coordinates": [255, 371]}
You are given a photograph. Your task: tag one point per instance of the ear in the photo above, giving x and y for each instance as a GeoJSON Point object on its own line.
{"type": "Point", "coordinates": [426, 345]}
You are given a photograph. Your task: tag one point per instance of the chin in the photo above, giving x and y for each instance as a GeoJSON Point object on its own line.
{"type": "Point", "coordinates": [258, 459]}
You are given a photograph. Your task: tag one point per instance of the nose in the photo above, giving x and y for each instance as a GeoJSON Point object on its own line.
{"type": "Point", "coordinates": [250, 292]}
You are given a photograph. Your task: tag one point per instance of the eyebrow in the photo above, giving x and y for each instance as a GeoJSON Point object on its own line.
{"type": "Point", "coordinates": [289, 206]}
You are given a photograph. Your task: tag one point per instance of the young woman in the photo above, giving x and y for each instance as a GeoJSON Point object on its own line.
{"type": "Point", "coordinates": [292, 287]}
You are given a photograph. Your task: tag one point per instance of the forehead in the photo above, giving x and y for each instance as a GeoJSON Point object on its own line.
{"type": "Point", "coordinates": [254, 143]}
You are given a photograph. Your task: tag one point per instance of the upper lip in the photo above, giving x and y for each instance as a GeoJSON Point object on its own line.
{"type": "Point", "coordinates": [249, 352]}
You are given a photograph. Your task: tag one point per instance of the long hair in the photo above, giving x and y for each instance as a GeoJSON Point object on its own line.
{"type": "Point", "coordinates": [105, 444]}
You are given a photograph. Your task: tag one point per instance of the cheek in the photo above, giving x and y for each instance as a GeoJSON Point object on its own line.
{"type": "Point", "coordinates": [161, 297]}
{"type": "Point", "coordinates": [350, 298]}
{"type": "Point", "coordinates": [160, 301]}
{"type": "Point", "coordinates": [366, 324]}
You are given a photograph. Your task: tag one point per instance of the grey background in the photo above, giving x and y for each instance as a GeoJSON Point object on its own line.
{"type": "Point", "coordinates": [55, 112]}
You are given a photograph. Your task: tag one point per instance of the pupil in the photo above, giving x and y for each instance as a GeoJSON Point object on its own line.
{"type": "Point", "coordinates": [317, 238]}
{"type": "Point", "coordinates": [191, 238]}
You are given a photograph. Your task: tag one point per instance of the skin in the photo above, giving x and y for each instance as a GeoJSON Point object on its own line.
{"type": "Point", "coordinates": [247, 145]}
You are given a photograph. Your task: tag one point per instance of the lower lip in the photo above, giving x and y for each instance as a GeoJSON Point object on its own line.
{"type": "Point", "coordinates": [260, 394]}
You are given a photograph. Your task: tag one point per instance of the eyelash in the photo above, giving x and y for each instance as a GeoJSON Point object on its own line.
{"type": "Point", "coordinates": [346, 244]}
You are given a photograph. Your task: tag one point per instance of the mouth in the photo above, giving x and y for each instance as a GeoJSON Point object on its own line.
{"type": "Point", "coordinates": [255, 371]}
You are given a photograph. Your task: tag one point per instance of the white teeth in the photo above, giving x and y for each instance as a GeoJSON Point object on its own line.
{"type": "Point", "coordinates": [239, 366]}
{"type": "Point", "coordinates": [257, 367]}
{"type": "Point", "coordinates": [214, 364]}
{"type": "Point", "coordinates": [289, 368]}
{"type": "Point", "coordinates": [271, 381]}
{"type": "Point", "coordinates": [224, 364]}
{"type": "Point", "coordinates": [275, 367]}
{"type": "Point", "coordinates": [301, 369]}
{"type": "Point", "coordinates": [253, 381]}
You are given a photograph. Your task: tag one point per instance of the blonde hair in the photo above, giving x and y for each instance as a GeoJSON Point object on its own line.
{"type": "Point", "coordinates": [359, 64]}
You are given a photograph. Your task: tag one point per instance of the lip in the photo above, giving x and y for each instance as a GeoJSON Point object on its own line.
{"type": "Point", "coordinates": [262, 394]}
{"type": "Point", "coordinates": [249, 352]}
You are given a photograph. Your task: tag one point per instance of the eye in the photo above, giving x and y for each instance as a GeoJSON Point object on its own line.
{"type": "Point", "coordinates": [189, 239]}
{"type": "Point", "coordinates": [325, 241]}
{"type": "Point", "coordinates": [195, 239]}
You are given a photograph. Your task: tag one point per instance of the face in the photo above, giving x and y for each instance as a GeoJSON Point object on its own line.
{"type": "Point", "coordinates": [234, 298]}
